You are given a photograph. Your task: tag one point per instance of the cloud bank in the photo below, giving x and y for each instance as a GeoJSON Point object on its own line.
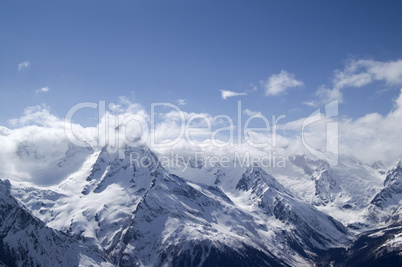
{"type": "Point", "coordinates": [37, 141]}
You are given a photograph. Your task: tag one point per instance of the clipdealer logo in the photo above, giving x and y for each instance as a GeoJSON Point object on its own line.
{"type": "Point", "coordinates": [238, 133]}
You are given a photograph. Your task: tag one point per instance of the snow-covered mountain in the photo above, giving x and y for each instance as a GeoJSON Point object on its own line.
{"type": "Point", "coordinates": [27, 241]}
{"type": "Point", "coordinates": [391, 194]}
{"type": "Point", "coordinates": [379, 247]}
{"type": "Point", "coordinates": [136, 211]}
{"type": "Point", "coordinates": [343, 191]}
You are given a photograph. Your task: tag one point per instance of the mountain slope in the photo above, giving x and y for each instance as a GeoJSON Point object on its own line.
{"type": "Point", "coordinates": [139, 213]}
{"type": "Point", "coordinates": [391, 194]}
{"type": "Point", "coordinates": [184, 224]}
{"type": "Point", "coordinates": [307, 228]}
{"type": "Point", "coordinates": [26, 241]}
{"type": "Point", "coordinates": [343, 191]}
{"type": "Point", "coordinates": [379, 247]}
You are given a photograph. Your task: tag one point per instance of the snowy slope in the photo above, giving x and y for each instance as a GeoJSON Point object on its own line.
{"type": "Point", "coordinates": [307, 225]}
{"type": "Point", "coordinates": [391, 194]}
{"type": "Point", "coordinates": [94, 203]}
{"type": "Point", "coordinates": [26, 241]}
{"type": "Point", "coordinates": [176, 216]}
{"type": "Point", "coordinates": [386, 206]}
{"type": "Point", "coordinates": [343, 191]}
{"type": "Point", "coordinates": [46, 166]}
{"type": "Point", "coordinates": [139, 213]}
{"type": "Point", "coordinates": [184, 224]}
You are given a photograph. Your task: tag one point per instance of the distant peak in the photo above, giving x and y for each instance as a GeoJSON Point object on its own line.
{"type": "Point", "coordinates": [5, 187]}
{"type": "Point", "coordinates": [397, 165]}
{"type": "Point", "coordinates": [255, 168]}
{"type": "Point", "coordinates": [377, 165]}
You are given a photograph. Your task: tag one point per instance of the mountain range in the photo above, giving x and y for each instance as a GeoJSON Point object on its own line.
{"type": "Point", "coordinates": [106, 210]}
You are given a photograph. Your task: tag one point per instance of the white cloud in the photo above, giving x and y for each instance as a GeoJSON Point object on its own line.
{"type": "Point", "coordinates": [43, 90]}
{"type": "Point", "coordinates": [295, 125]}
{"type": "Point", "coordinates": [34, 147]}
{"type": "Point", "coordinates": [325, 96]}
{"type": "Point", "coordinates": [24, 65]}
{"type": "Point", "coordinates": [278, 83]}
{"type": "Point", "coordinates": [359, 73]}
{"type": "Point", "coordinates": [128, 106]}
{"type": "Point", "coordinates": [310, 103]}
{"type": "Point", "coordinates": [374, 136]}
{"type": "Point", "coordinates": [225, 94]}
{"type": "Point", "coordinates": [252, 88]}
{"type": "Point", "coordinates": [36, 115]}
{"type": "Point", "coordinates": [251, 113]}
{"type": "Point", "coordinates": [181, 102]}
{"type": "Point", "coordinates": [368, 138]}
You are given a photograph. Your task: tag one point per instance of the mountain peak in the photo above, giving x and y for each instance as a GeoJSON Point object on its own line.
{"type": "Point", "coordinates": [5, 186]}
{"type": "Point", "coordinates": [377, 165]}
{"type": "Point", "coordinates": [398, 163]}
{"type": "Point", "coordinates": [253, 175]}
{"type": "Point", "coordinates": [394, 173]}
{"type": "Point", "coordinates": [391, 194]}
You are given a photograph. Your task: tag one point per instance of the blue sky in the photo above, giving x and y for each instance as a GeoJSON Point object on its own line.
{"type": "Point", "coordinates": [162, 51]}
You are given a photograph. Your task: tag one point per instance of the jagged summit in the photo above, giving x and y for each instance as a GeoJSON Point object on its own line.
{"type": "Point", "coordinates": [391, 194]}
{"type": "Point", "coordinates": [377, 165]}
{"type": "Point", "coordinates": [255, 174]}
